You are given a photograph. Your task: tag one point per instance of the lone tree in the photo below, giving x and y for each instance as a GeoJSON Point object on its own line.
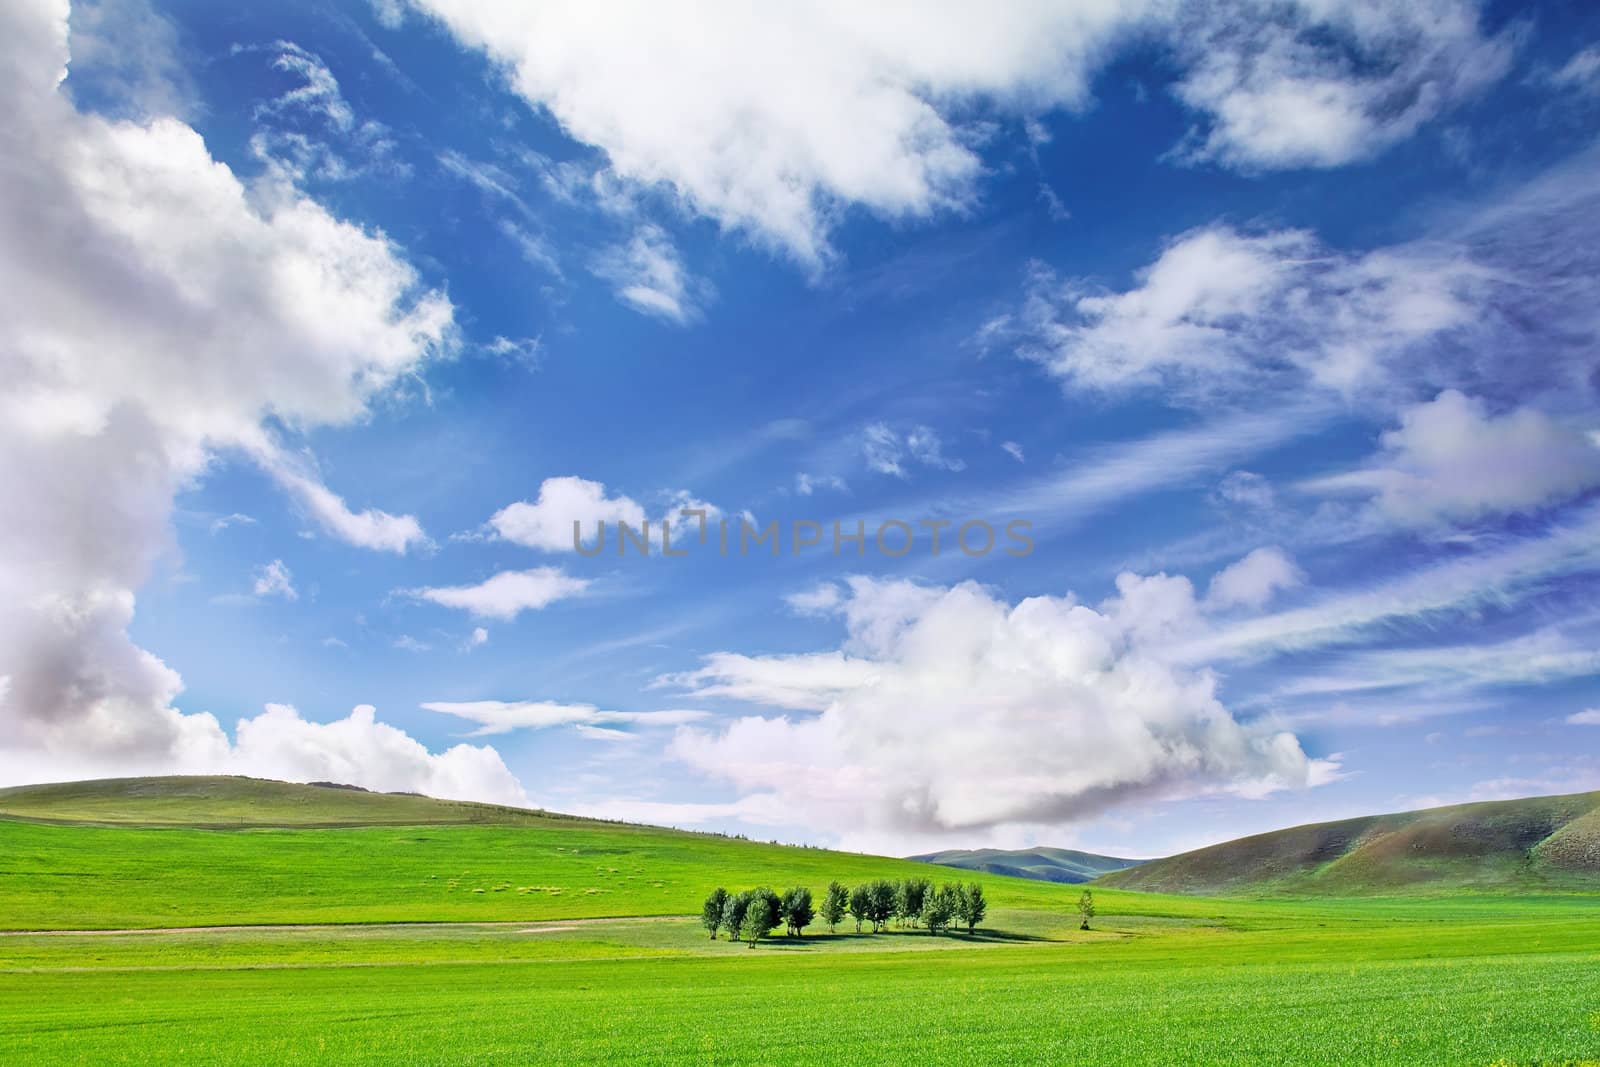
{"type": "Point", "coordinates": [882, 894]}
{"type": "Point", "coordinates": [711, 913]}
{"type": "Point", "coordinates": [835, 903]}
{"type": "Point", "coordinates": [970, 905]}
{"type": "Point", "coordinates": [1086, 908]}
{"type": "Point", "coordinates": [797, 913]}
{"type": "Point", "coordinates": [860, 905]}
{"type": "Point", "coordinates": [733, 912]}
{"type": "Point", "coordinates": [939, 908]}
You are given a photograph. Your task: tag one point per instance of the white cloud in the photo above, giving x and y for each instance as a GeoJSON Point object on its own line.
{"type": "Point", "coordinates": [130, 57]}
{"type": "Point", "coordinates": [359, 750]}
{"type": "Point", "coordinates": [280, 744]}
{"type": "Point", "coordinates": [237, 518]}
{"type": "Point", "coordinates": [806, 484]}
{"type": "Point", "coordinates": [1013, 450]}
{"type": "Point", "coordinates": [776, 124]}
{"type": "Point", "coordinates": [1317, 84]}
{"type": "Point", "coordinates": [1246, 488]}
{"type": "Point", "coordinates": [648, 275]}
{"type": "Point", "coordinates": [371, 528]}
{"type": "Point", "coordinates": [888, 451]}
{"type": "Point", "coordinates": [926, 448]}
{"type": "Point", "coordinates": [1222, 311]}
{"type": "Point", "coordinates": [547, 523]}
{"type": "Point", "coordinates": [1253, 580]}
{"type": "Point", "coordinates": [479, 636]}
{"type": "Point", "coordinates": [1546, 655]}
{"type": "Point", "coordinates": [1581, 72]}
{"type": "Point", "coordinates": [154, 309]}
{"type": "Point", "coordinates": [310, 132]}
{"type": "Point", "coordinates": [1587, 717]}
{"type": "Point", "coordinates": [504, 716]}
{"type": "Point", "coordinates": [1042, 711]}
{"type": "Point", "coordinates": [823, 600]}
{"type": "Point", "coordinates": [275, 580]}
{"type": "Point", "coordinates": [1451, 460]}
{"type": "Point", "coordinates": [407, 643]}
{"type": "Point", "coordinates": [1501, 575]}
{"type": "Point", "coordinates": [507, 594]}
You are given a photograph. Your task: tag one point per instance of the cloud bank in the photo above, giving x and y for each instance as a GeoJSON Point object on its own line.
{"type": "Point", "coordinates": [949, 709]}
{"type": "Point", "coordinates": [154, 310]}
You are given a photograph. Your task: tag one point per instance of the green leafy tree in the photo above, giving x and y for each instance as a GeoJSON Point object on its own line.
{"type": "Point", "coordinates": [861, 905]}
{"type": "Point", "coordinates": [913, 897]}
{"type": "Point", "coordinates": [882, 895]}
{"type": "Point", "coordinates": [757, 924]}
{"type": "Point", "coordinates": [1086, 908]}
{"type": "Point", "coordinates": [764, 898]}
{"type": "Point", "coordinates": [939, 909]}
{"type": "Point", "coordinates": [711, 913]}
{"type": "Point", "coordinates": [970, 905]}
{"type": "Point", "coordinates": [797, 911]}
{"type": "Point", "coordinates": [835, 904]}
{"type": "Point", "coordinates": [733, 912]}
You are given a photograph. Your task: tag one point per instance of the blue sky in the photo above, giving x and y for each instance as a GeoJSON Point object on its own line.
{"type": "Point", "coordinates": [1276, 328]}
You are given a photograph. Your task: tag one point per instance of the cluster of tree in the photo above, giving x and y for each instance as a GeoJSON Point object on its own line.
{"type": "Point", "coordinates": [753, 914]}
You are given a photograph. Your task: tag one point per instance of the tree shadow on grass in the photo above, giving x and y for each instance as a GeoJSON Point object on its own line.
{"type": "Point", "coordinates": [812, 942]}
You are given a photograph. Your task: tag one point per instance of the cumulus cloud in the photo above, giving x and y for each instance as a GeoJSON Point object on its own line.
{"type": "Point", "coordinates": [154, 309]}
{"type": "Point", "coordinates": [547, 522]}
{"type": "Point", "coordinates": [280, 743]}
{"type": "Point", "coordinates": [1453, 461]}
{"type": "Point", "coordinates": [359, 750]}
{"type": "Point", "coordinates": [1253, 580]}
{"type": "Point", "coordinates": [275, 580]}
{"type": "Point", "coordinates": [504, 716]}
{"type": "Point", "coordinates": [948, 708]}
{"type": "Point", "coordinates": [1311, 84]}
{"type": "Point", "coordinates": [1220, 310]}
{"type": "Point", "coordinates": [506, 594]}
{"type": "Point", "coordinates": [775, 125]}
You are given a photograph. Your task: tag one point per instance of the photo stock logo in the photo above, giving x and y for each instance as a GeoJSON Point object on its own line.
{"type": "Point", "coordinates": [892, 538]}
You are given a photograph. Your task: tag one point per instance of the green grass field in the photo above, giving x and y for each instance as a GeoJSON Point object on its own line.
{"type": "Point", "coordinates": [530, 939]}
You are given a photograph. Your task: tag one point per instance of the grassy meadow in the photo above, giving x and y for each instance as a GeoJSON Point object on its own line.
{"type": "Point", "coordinates": [532, 939]}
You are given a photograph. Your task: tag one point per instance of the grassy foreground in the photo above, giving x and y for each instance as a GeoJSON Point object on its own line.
{"type": "Point", "coordinates": [523, 938]}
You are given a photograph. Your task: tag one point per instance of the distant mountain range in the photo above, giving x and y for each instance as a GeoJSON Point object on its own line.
{"type": "Point", "coordinates": [1042, 864]}
{"type": "Point", "coordinates": [1534, 844]}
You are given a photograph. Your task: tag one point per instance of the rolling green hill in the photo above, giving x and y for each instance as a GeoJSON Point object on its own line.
{"type": "Point", "coordinates": [1538, 843]}
{"type": "Point", "coordinates": [1045, 864]}
{"type": "Point", "coordinates": [233, 921]}
{"type": "Point", "coordinates": [225, 802]}
{"type": "Point", "coordinates": [158, 852]}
